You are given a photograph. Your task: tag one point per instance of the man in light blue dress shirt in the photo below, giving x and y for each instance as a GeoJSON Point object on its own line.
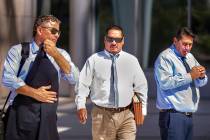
{"type": "Point", "coordinates": [178, 77]}
{"type": "Point", "coordinates": [32, 113]}
{"type": "Point", "coordinates": [111, 77]}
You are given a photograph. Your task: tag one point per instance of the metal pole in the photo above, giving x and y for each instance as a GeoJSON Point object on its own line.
{"type": "Point", "coordinates": [93, 27]}
{"type": "Point", "coordinates": [136, 20]}
{"type": "Point", "coordinates": [147, 31]}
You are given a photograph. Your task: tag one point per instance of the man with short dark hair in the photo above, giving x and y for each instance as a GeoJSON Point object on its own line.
{"type": "Point", "coordinates": [178, 77]}
{"type": "Point", "coordinates": [111, 77]}
{"type": "Point", "coordinates": [34, 97]}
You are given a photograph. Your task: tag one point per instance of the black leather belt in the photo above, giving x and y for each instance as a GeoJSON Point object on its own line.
{"type": "Point", "coordinates": [119, 109]}
{"type": "Point", "coordinates": [189, 114]}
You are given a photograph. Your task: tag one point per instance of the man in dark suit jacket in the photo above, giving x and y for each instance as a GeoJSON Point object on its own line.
{"type": "Point", "coordinates": [33, 102]}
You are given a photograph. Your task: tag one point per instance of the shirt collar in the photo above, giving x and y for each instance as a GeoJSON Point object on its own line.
{"type": "Point", "coordinates": [34, 47]}
{"type": "Point", "coordinates": [111, 55]}
{"type": "Point", "coordinates": [173, 48]}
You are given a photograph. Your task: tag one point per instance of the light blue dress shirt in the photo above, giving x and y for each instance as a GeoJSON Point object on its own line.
{"type": "Point", "coordinates": [173, 82]}
{"type": "Point", "coordinates": [11, 66]}
{"type": "Point", "coordinates": [95, 80]}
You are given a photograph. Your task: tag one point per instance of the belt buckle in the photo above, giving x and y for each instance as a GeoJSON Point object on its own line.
{"type": "Point", "coordinates": [116, 109]}
{"type": "Point", "coordinates": [188, 113]}
{"type": "Point", "coordinates": [111, 109]}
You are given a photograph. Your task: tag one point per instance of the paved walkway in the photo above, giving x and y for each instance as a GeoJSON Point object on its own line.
{"type": "Point", "coordinates": [70, 129]}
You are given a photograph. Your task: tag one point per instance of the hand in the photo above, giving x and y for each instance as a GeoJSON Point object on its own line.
{"type": "Point", "coordinates": [43, 95]}
{"type": "Point", "coordinates": [197, 72]}
{"type": "Point", "coordinates": [202, 71]}
{"type": "Point", "coordinates": [82, 115]}
{"type": "Point", "coordinates": [50, 48]}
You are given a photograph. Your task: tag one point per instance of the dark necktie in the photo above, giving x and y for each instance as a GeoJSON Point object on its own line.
{"type": "Point", "coordinates": [113, 83]}
{"type": "Point", "coordinates": [31, 74]}
{"type": "Point", "coordinates": [192, 85]}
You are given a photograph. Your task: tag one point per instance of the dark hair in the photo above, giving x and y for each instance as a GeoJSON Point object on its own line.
{"type": "Point", "coordinates": [43, 19]}
{"type": "Point", "coordinates": [185, 31]}
{"type": "Point", "coordinates": [114, 27]}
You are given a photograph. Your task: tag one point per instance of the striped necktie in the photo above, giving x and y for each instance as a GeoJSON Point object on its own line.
{"type": "Point", "coordinates": [192, 85]}
{"type": "Point", "coordinates": [113, 82]}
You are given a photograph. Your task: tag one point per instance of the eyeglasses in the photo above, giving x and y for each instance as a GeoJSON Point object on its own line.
{"type": "Point", "coordinates": [52, 30]}
{"type": "Point", "coordinates": [111, 39]}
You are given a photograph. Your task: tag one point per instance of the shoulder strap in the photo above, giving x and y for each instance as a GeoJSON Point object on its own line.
{"type": "Point", "coordinates": [24, 54]}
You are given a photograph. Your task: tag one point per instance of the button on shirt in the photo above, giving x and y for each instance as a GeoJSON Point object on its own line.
{"type": "Point", "coordinates": [11, 66]}
{"type": "Point", "coordinates": [173, 82]}
{"type": "Point", "coordinates": [95, 79]}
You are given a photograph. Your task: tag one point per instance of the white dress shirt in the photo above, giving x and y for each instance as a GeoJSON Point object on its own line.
{"type": "Point", "coordinates": [95, 80]}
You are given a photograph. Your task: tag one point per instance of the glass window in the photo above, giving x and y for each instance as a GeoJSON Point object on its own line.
{"type": "Point", "coordinates": [169, 15]}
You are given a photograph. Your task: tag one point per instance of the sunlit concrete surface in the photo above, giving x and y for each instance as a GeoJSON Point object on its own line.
{"type": "Point", "coordinates": [69, 127]}
{"type": "Point", "coordinates": [149, 131]}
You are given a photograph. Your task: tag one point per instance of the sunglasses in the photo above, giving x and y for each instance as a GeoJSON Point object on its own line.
{"type": "Point", "coordinates": [52, 30]}
{"type": "Point", "coordinates": [111, 39]}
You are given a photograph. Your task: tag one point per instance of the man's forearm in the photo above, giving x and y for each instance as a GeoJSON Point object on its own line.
{"type": "Point", "coordinates": [42, 94]}
{"type": "Point", "coordinates": [62, 63]}
{"type": "Point", "coordinates": [26, 90]}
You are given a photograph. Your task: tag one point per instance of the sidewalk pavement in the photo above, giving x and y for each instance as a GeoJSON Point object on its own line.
{"type": "Point", "coordinates": [149, 131]}
{"type": "Point", "coordinates": [70, 129]}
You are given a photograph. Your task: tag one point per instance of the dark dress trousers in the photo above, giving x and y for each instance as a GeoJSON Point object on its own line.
{"type": "Point", "coordinates": [30, 119]}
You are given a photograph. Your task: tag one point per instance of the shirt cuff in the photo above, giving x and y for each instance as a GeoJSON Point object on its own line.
{"type": "Point", "coordinates": [73, 76]}
{"type": "Point", "coordinates": [70, 77]}
{"type": "Point", "coordinates": [144, 111]}
{"type": "Point", "coordinates": [80, 102]}
{"type": "Point", "coordinates": [202, 78]}
{"type": "Point", "coordinates": [18, 84]}
{"type": "Point", "coordinates": [80, 106]}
